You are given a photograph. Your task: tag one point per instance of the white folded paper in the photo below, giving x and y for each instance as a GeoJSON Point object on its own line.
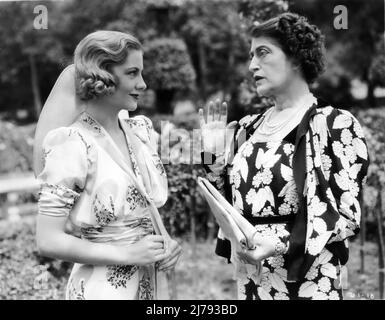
{"type": "Point", "coordinates": [234, 227]}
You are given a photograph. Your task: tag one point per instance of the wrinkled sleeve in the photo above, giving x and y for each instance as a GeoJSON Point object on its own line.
{"type": "Point", "coordinates": [65, 167]}
{"type": "Point", "coordinates": [348, 162]}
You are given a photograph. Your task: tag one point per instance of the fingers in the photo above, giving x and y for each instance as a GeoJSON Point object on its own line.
{"type": "Point", "coordinates": [155, 238]}
{"type": "Point", "coordinates": [158, 245]}
{"type": "Point", "coordinates": [169, 263]}
{"type": "Point", "coordinates": [201, 118]}
{"type": "Point", "coordinates": [210, 112]}
{"type": "Point", "coordinates": [161, 256]}
{"type": "Point", "coordinates": [223, 113]}
{"type": "Point", "coordinates": [217, 110]}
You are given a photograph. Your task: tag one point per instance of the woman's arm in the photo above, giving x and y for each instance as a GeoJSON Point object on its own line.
{"type": "Point", "coordinates": [54, 242]}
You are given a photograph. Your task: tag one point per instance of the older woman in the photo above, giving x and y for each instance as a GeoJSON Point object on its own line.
{"type": "Point", "coordinates": [102, 178]}
{"type": "Point", "coordinates": [297, 173]}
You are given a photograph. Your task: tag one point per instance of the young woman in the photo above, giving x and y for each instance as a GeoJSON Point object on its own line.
{"type": "Point", "coordinates": [102, 178]}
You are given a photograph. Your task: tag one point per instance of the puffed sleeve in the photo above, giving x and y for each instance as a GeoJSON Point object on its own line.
{"type": "Point", "coordinates": [348, 165]}
{"type": "Point", "coordinates": [65, 168]}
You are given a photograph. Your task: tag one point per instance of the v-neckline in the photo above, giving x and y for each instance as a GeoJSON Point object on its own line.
{"type": "Point", "coordinates": [120, 159]}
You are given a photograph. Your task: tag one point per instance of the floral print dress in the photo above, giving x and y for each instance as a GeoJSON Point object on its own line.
{"type": "Point", "coordinates": [262, 184]}
{"type": "Point", "coordinates": [87, 179]}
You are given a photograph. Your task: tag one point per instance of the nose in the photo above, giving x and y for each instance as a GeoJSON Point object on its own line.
{"type": "Point", "coordinates": [141, 85]}
{"type": "Point", "coordinates": [254, 64]}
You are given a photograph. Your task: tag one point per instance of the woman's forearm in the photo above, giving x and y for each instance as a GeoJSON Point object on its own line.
{"type": "Point", "coordinates": [54, 242]}
{"type": "Point", "coordinates": [72, 249]}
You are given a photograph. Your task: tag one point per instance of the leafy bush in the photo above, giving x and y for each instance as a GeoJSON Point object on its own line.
{"type": "Point", "coordinates": [23, 273]}
{"type": "Point", "coordinates": [168, 70]}
{"type": "Point", "coordinates": [16, 145]}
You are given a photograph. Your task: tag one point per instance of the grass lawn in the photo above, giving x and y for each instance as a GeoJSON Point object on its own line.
{"type": "Point", "coordinates": [207, 276]}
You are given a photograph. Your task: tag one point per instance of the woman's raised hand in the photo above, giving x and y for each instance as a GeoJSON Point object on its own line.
{"type": "Point", "coordinates": [216, 135]}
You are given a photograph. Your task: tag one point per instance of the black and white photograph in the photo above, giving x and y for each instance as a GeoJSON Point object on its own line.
{"type": "Point", "coordinates": [211, 151]}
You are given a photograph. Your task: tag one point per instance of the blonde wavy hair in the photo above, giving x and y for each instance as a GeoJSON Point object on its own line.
{"type": "Point", "coordinates": [93, 58]}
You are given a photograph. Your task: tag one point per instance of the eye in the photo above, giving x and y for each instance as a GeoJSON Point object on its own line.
{"type": "Point", "coordinates": [262, 52]}
{"type": "Point", "coordinates": [132, 73]}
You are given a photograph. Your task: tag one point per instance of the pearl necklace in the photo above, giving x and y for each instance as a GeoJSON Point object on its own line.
{"type": "Point", "coordinates": [267, 128]}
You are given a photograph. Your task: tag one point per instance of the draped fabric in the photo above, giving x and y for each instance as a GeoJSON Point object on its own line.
{"type": "Point", "coordinates": [87, 179]}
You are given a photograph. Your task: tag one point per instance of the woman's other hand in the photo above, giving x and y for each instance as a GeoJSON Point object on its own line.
{"type": "Point", "coordinates": [147, 250]}
{"type": "Point", "coordinates": [264, 248]}
{"type": "Point", "coordinates": [175, 253]}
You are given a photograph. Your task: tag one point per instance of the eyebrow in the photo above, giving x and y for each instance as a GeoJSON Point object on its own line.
{"type": "Point", "coordinates": [132, 69]}
{"type": "Point", "coordinates": [251, 53]}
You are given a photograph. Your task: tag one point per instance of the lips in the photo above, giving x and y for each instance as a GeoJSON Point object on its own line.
{"type": "Point", "coordinates": [135, 96]}
{"type": "Point", "coordinates": [257, 78]}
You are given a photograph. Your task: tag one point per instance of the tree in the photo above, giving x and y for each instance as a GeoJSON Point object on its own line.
{"type": "Point", "coordinates": [168, 70]}
{"type": "Point", "coordinates": [358, 43]}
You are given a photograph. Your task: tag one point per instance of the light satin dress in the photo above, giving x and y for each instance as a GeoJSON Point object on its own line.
{"type": "Point", "coordinates": [87, 179]}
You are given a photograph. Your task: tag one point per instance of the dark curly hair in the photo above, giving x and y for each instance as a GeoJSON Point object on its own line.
{"type": "Point", "coordinates": [299, 40]}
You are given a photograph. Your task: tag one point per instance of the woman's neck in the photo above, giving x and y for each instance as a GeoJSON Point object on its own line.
{"type": "Point", "coordinates": [289, 97]}
{"type": "Point", "coordinates": [104, 114]}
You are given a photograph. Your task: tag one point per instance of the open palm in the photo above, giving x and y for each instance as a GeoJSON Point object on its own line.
{"type": "Point", "coordinates": [216, 134]}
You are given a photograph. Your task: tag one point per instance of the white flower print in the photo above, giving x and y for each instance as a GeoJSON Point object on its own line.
{"type": "Point", "coordinates": [314, 246]}
{"type": "Point", "coordinates": [267, 176]}
{"type": "Point", "coordinates": [235, 179]}
{"type": "Point", "coordinates": [324, 284]}
{"type": "Point", "coordinates": [276, 262]}
{"type": "Point", "coordinates": [358, 129]}
{"type": "Point", "coordinates": [342, 179]}
{"type": "Point", "coordinates": [353, 188]}
{"type": "Point", "coordinates": [265, 282]}
{"type": "Point", "coordinates": [251, 196]}
{"type": "Point", "coordinates": [319, 225]}
{"type": "Point", "coordinates": [346, 137]}
{"type": "Point", "coordinates": [333, 295]}
{"type": "Point", "coordinates": [338, 149]}
{"type": "Point", "coordinates": [317, 207]}
{"type": "Point", "coordinates": [257, 180]}
{"type": "Point", "coordinates": [267, 212]}
{"type": "Point", "coordinates": [312, 273]}
{"type": "Point", "coordinates": [281, 296]}
{"type": "Point", "coordinates": [288, 148]}
{"type": "Point", "coordinates": [351, 154]}
{"type": "Point", "coordinates": [284, 209]}
{"type": "Point", "coordinates": [326, 165]}
{"type": "Point", "coordinates": [319, 295]}
{"type": "Point", "coordinates": [248, 149]}
{"type": "Point", "coordinates": [309, 164]}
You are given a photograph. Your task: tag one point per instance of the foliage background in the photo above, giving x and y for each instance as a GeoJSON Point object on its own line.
{"type": "Point", "coordinates": [195, 50]}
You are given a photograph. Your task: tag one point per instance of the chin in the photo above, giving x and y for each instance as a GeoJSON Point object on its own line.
{"type": "Point", "coordinates": [263, 91]}
{"type": "Point", "coordinates": [131, 107]}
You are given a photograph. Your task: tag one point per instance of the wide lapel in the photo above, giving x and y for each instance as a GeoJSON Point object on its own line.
{"type": "Point", "coordinates": [298, 235]}
{"type": "Point", "coordinates": [104, 140]}
{"type": "Point", "coordinates": [134, 144]}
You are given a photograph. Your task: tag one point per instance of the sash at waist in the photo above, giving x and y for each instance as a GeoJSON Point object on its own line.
{"type": "Point", "coordinates": [122, 233]}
